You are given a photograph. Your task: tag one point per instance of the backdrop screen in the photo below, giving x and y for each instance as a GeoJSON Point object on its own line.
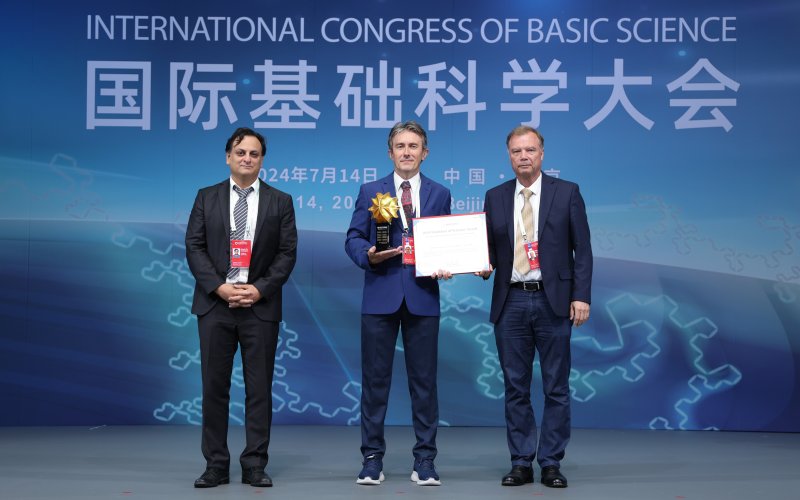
{"type": "Point", "coordinates": [676, 119]}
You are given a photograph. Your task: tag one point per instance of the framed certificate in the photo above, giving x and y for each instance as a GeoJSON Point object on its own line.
{"type": "Point", "coordinates": [455, 243]}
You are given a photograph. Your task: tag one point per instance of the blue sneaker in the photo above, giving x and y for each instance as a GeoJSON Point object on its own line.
{"type": "Point", "coordinates": [372, 472]}
{"type": "Point", "coordinates": [425, 473]}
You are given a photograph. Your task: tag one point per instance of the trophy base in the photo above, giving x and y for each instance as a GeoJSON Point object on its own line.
{"type": "Point", "coordinates": [383, 240]}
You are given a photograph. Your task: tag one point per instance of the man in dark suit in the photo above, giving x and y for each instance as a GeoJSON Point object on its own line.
{"type": "Point", "coordinates": [395, 299]}
{"type": "Point", "coordinates": [539, 245]}
{"type": "Point", "coordinates": [237, 300]}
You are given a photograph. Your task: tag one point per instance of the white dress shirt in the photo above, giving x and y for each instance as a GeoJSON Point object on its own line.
{"type": "Point", "coordinates": [252, 216]}
{"type": "Point", "coordinates": [415, 182]}
{"type": "Point", "coordinates": [519, 200]}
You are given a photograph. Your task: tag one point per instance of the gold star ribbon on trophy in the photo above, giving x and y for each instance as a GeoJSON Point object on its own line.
{"type": "Point", "coordinates": [384, 208]}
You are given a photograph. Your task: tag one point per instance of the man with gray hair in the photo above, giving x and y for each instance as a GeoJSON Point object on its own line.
{"type": "Point", "coordinates": [395, 299]}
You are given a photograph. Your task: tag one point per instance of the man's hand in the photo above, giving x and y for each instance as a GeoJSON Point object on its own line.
{"type": "Point", "coordinates": [226, 290]}
{"type": "Point", "coordinates": [578, 312]}
{"type": "Point", "coordinates": [485, 274]}
{"type": "Point", "coordinates": [376, 258]}
{"type": "Point", "coordinates": [245, 295]}
{"type": "Point", "coordinates": [239, 294]}
{"type": "Point", "coordinates": [441, 274]}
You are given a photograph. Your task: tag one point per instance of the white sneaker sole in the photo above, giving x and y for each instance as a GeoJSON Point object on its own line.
{"type": "Point", "coordinates": [428, 482]}
{"type": "Point", "coordinates": [369, 480]}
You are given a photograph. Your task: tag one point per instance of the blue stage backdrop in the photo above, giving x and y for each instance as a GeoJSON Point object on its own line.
{"type": "Point", "coordinates": [676, 118]}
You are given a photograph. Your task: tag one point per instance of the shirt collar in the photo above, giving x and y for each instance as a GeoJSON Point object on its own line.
{"type": "Point", "coordinates": [415, 182]}
{"type": "Point", "coordinates": [536, 187]}
{"type": "Point", "coordinates": [254, 185]}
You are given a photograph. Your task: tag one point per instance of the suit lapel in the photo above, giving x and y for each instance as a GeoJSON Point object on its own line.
{"type": "Point", "coordinates": [388, 185]}
{"type": "Point", "coordinates": [224, 197]}
{"type": "Point", "coordinates": [508, 209]}
{"type": "Point", "coordinates": [548, 195]}
{"type": "Point", "coordinates": [264, 196]}
{"type": "Point", "coordinates": [424, 194]}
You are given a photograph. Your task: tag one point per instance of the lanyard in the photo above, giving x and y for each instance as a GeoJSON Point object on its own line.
{"type": "Point", "coordinates": [522, 231]}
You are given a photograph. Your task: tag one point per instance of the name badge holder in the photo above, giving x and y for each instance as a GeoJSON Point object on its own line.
{"type": "Point", "coordinates": [408, 245]}
{"type": "Point", "coordinates": [241, 251]}
{"type": "Point", "coordinates": [408, 249]}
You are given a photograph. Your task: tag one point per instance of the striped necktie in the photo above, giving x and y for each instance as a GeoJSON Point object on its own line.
{"type": "Point", "coordinates": [239, 220]}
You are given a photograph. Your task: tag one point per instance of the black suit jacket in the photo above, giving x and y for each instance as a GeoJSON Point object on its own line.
{"type": "Point", "coordinates": [565, 249]}
{"type": "Point", "coordinates": [274, 247]}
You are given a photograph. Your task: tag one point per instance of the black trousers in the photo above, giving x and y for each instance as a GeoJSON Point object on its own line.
{"type": "Point", "coordinates": [222, 331]}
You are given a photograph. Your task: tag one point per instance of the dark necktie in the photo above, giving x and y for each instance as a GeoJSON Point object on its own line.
{"type": "Point", "coordinates": [408, 206]}
{"type": "Point", "coordinates": [239, 220]}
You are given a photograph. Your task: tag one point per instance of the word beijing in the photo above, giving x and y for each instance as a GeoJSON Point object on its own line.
{"type": "Point", "coordinates": [411, 30]}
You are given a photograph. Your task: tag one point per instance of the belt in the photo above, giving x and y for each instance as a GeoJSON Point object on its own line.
{"type": "Point", "coordinates": [528, 286]}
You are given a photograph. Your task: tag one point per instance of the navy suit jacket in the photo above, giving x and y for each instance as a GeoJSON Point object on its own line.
{"type": "Point", "coordinates": [388, 283]}
{"type": "Point", "coordinates": [565, 249]}
{"type": "Point", "coordinates": [274, 247]}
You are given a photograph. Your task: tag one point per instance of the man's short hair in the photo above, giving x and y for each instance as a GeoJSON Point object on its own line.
{"type": "Point", "coordinates": [240, 133]}
{"type": "Point", "coordinates": [522, 130]}
{"type": "Point", "coordinates": [408, 126]}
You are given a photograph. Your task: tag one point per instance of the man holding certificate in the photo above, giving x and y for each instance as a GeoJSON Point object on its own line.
{"type": "Point", "coordinates": [380, 241]}
{"type": "Point", "coordinates": [540, 246]}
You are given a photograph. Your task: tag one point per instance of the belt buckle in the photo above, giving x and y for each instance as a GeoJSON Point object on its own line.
{"type": "Point", "coordinates": [533, 286]}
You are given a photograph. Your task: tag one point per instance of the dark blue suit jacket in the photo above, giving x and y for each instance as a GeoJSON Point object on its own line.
{"type": "Point", "coordinates": [388, 283]}
{"type": "Point", "coordinates": [274, 247]}
{"type": "Point", "coordinates": [565, 249]}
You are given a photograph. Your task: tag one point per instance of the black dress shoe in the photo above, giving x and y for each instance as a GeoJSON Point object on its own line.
{"type": "Point", "coordinates": [553, 478]}
{"type": "Point", "coordinates": [256, 477]}
{"type": "Point", "coordinates": [212, 478]}
{"type": "Point", "coordinates": [518, 476]}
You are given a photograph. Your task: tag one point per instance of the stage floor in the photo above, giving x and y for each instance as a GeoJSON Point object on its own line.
{"type": "Point", "coordinates": [311, 462]}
